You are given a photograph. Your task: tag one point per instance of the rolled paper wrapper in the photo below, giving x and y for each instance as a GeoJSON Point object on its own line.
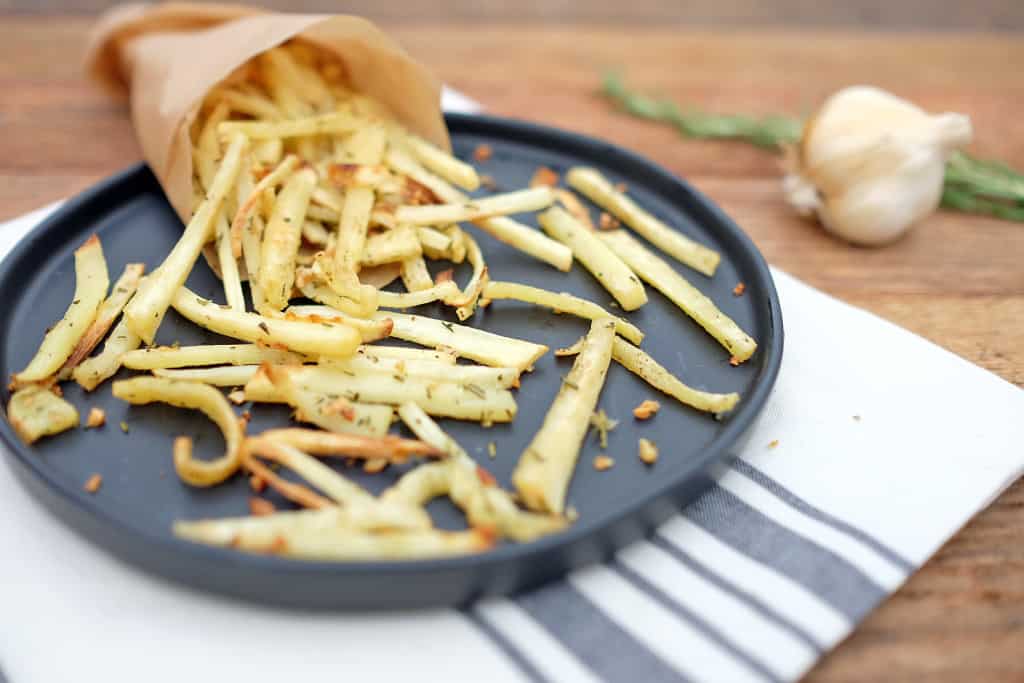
{"type": "Point", "coordinates": [166, 58]}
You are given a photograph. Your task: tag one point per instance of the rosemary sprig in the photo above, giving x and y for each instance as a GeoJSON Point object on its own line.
{"type": "Point", "coordinates": [971, 185]}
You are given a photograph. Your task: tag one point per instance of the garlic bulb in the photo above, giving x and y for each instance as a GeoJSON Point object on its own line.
{"type": "Point", "coordinates": [870, 165]}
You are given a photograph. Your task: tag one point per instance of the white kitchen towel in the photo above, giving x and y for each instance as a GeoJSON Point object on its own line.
{"type": "Point", "coordinates": [886, 446]}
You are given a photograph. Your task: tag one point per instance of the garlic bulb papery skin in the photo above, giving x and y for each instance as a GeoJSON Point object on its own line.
{"type": "Point", "coordinates": [870, 165]}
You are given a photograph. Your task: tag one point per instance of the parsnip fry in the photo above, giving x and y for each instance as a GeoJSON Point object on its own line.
{"type": "Point", "coordinates": [469, 342]}
{"type": "Point", "coordinates": [663, 277]}
{"type": "Point", "coordinates": [601, 261]}
{"type": "Point", "coordinates": [348, 252]}
{"type": "Point", "coordinates": [229, 275]}
{"type": "Point", "coordinates": [91, 282]}
{"type": "Point", "coordinates": [147, 308]}
{"type": "Point", "coordinates": [471, 487]}
{"type": "Point", "coordinates": [350, 418]}
{"type": "Point", "coordinates": [481, 375]}
{"type": "Point", "coordinates": [444, 399]}
{"type": "Point", "coordinates": [224, 376]}
{"type": "Point", "coordinates": [422, 484]}
{"type": "Point", "coordinates": [111, 307]}
{"type": "Point", "coordinates": [546, 466]}
{"type": "Point", "coordinates": [328, 339]}
{"type": "Point", "coordinates": [638, 362]}
{"type": "Point", "coordinates": [440, 292]}
{"type": "Point", "coordinates": [596, 187]}
{"type": "Point", "coordinates": [91, 372]}
{"type": "Point", "coordinates": [333, 123]}
{"type": "Point", "coordinates": [206, 354]}
{"type": "Point", "coordinates": [369, 330]}
{"type": "Point", "coordinates": [334, 485]}
{"type": "Point", "coordinates": [443, 355]}
{"type": "Point", "coordinates": [355, 308]}
{"type": "Point", "coordinates": [415, 275]}
{"type": "Point", "coordinates": [520, 201]}
{"type": "Point", "coordinates": [248, 203]}
{"type": "Point", "coordinates": [392, 246]}
{"type": "Point", "coordinates": [281, 238]}
{"type": "Point", "coordinates": [394, 449]}
{"type": "Point", "coordinates": [35, 412]}
{"type": "Point", "coordinates": [436, 244]}
{"type": "Point", "coordinates": [528, 240]}
{"type": "Point", "coordinates": [207, 152]}
{"type": "Point", "coordinates": [443, 164]}
{"type": "Point", "coordinates": [143, 390]}
{"type": "Point", "coordinates": [251, 104]}
{"type": "Point", "coordinates": [561, 303]}
{"type": "Point", "coordinates": [466, 303]}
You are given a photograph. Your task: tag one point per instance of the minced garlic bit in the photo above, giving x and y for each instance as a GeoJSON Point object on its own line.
{"type": "Point", "coordinates": [261, 507]}
{"type": "Point", "coordinates": [257, 484]}
{"type": "Point", "coordinates": [603, 424]}
{"type": "Point", "coordinates": [97, 418]}
{"type": "Point", "coordinates": [237, 397]}
{"type": "Point", "coordinates": [739, 289]}
{"type": "Point", "coordinates": [646, 409]}
{"type": "Point", "coordinates": [544, 176]}
{"type": "Point", "coordinates": [602, 463]}
{"type": "Point", "coordinates": [483, 152]}
{"type": "Point", "coordinates": [774, 443]}
{"type": "Point", "coordinates": [608, 222]}
{"type": "Point", "coordinates": [734, 361]}
{"type": "Point", "coordinates": [92, 485]}
{"type": "Point", "coordinates": [492, 449]}
{"type": "Point", "coordinates": [375, 465]}
{"type": "Point", "coordinates": [648, 451]}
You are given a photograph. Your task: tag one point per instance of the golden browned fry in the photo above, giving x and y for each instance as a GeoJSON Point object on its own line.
{"type": "Point", "coordinates": [91, 282]}
{"type": "Point", "coordinates": [123, 290]}
{"type": "Point", "coordinates": [394, 449]}
{"type": "Point", "coordinates": [92, 371]}
{"type": "Point", "coordinates": [248, 204]}
{"type": "Point", "coordinates": [297, 493]}
{"type": "Point", "coordinates": [36, 411]}
{"type": "Point", "coordinates": [143, 390]}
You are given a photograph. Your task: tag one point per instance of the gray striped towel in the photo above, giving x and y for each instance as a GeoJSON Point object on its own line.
{"type": "Point", "coordinates": [886, 446]}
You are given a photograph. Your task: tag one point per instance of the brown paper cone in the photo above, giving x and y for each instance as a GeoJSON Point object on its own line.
{"type": "Point", "coordinates": [166, 58]}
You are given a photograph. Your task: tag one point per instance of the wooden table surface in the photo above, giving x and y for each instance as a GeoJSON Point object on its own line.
{"type": "Point", "coordinates": [958, 280]}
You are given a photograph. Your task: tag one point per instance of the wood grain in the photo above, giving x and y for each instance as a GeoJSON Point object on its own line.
{"type": "Point", "coordinates": [957, 280]}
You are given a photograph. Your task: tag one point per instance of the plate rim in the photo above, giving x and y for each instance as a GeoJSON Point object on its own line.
{"type": "Point", "coordinates": [599, 523]}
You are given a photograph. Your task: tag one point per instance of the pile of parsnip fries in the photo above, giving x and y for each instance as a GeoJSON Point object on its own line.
{"type": "Point", "coordinates": [310, 191]}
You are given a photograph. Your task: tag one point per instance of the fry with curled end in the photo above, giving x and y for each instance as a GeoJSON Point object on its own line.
{"type": "Point", "coordinates": [481, 375]}
{"type": "Point", "coordinates": [111, 307]}
{"type": "Point", "coordinates": [338, 122]}
{"type": "Point", "coordinates": [663, 277]}
{"type": "Point", "coordinates": [546, 466]}
{"type": "Point", "coordinates": [422, 484]}
{"type": "Point", "coordinates": [469, 342]}
{"type": "Point", "coordinates": [147, 308]}
{"type": "Point", "coordinates": [561, 303]}
{"type": "Point", "coordinates": [443, 164]}
{"type": "Point", "coordinates": [143, 390]}
{"type": "Point", "coordinates": [391, 246]}
{"type": "Point", "coordinates": [91, 282]}
{"type": "Point", "coordinates": [444, 355]}
{"type": "Point", "coordinates": [336, 414]}
{"type": "Point", "coordinates": [466, 303]}
{"type": "Point", "coordinates": [369, 330]}
{"type": "Point", "coordinates": [91, 372]}
{"type": "Point", "coordinates": [264, 532]}
{"type": "Point", "coordinates": [415, 275]}
{"type": "Point", "coordinates": [602, 262]}
{"type": "Point", "coordinates": [35, 412]}
{"type": "Point", "coordinates": [223, 376]}
{"type": "Point", "coordinates": [443, 291]}
{"type": "Point", "coordinates": [445, 399]}
{"type": "Point", "coordinates": [640, 363]}
{"type": "Point", "coordinates": [324, 338]}
{"type": "Point", "coordinates": [520, 201]}
{"type": "Point", "coordinates": [470, 486]}
{"type": "Point", "coordinates": [394, 449]}
{"type": "Point", "coordinates": [281, 238]}
{"type": "Point", "coordinates": [247, 204]}
{"type": "Point", "coordinates": [206, 354]}
{"type": "Point", "coordinates": [596, 187]}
